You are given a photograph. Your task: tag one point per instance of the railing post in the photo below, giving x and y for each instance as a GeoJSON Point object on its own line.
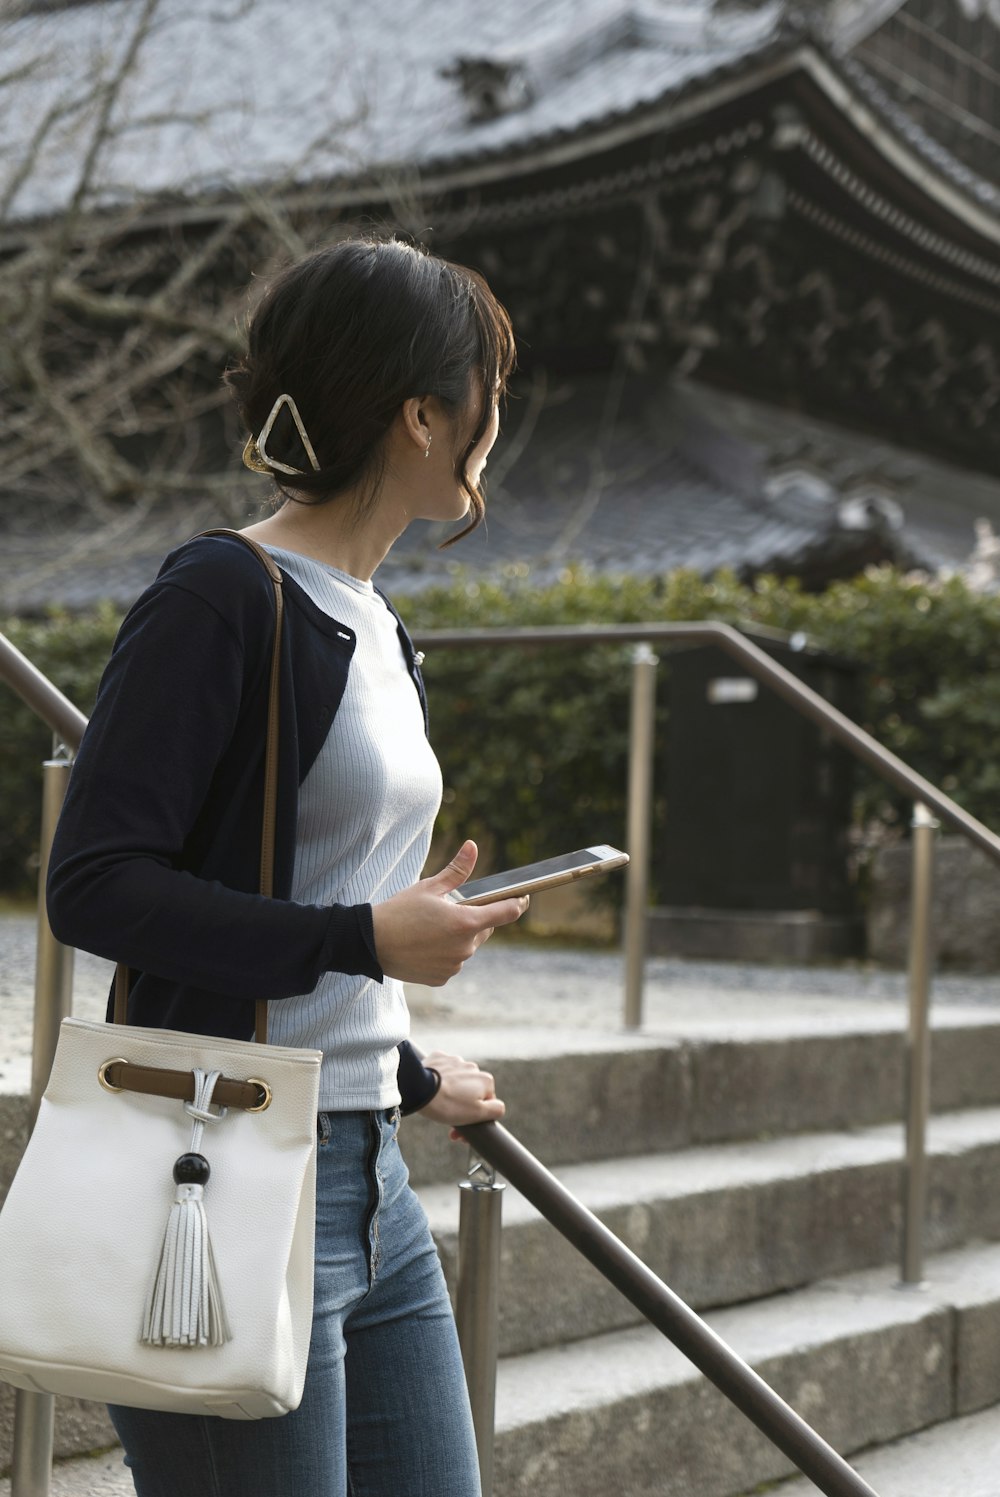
{"type": "Point", "coordinates": [477, 1304]}
{"type": "Point", "coordinates": [34, 1416]}
{"type": "Point", "coordinates": [918, 1049]}
{"type": "Point", "coordinates": [640, 817]}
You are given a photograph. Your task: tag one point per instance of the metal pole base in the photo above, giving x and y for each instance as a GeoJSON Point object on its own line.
{"type": "Point", "coordinates": [34, 1429]}
{"type": "Point", "coordinates": [918, 1050]}
{"type": "Point", "coordinates": [640, 815]}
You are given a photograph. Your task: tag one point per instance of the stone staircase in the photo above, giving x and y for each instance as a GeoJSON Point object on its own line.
{"type": "Point", "coordinates": [760, 1177]}
{"type": "Point", "coordinates": [747, 1145]}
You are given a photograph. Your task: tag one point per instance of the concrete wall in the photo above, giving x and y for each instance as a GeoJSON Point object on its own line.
{"type": "Point", "coordinates": [966, 907]}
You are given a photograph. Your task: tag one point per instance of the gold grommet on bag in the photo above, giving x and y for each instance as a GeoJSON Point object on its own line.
{"type": "Point", "coordinates": [102, 1074]}
{"type": "Point", "coordinates": [265, 1094]}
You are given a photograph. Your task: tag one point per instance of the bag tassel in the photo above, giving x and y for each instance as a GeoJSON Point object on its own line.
{"type": "Point", "coordinates": [184, 1305]}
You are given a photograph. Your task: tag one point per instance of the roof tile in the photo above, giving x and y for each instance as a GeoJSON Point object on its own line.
{"type": "Point", "coordinates": [268, 87]}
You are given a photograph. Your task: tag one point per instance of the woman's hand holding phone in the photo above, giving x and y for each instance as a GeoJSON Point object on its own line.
{"type": "Point", "coordinates": [423, 936]}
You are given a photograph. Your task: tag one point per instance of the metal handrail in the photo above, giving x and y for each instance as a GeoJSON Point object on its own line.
{"type": "Point", "coordinates": [55, 708]}
{"type": "Point", "coordinates": [806, 701]}
{"type": "Point", "coordinates": [46, 700]}
{"type": "Point", "coordinates": [734, 1377]}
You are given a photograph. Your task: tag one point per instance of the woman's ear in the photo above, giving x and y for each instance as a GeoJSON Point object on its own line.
{"type": "Point", "coordinates": [416, 420]}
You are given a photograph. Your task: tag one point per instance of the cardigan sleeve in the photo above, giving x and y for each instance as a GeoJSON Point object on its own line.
{"type": "Point", "coordinates": [418, 1084]}
{"type": "Point", "coordinates": [166, 711]}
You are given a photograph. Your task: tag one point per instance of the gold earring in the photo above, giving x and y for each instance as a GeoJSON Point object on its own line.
{"type": "Point", "coordinates": [427, 449]}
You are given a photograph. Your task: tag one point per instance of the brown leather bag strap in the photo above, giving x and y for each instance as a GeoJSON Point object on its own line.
{"type": "Point", "coordinates": [119, 1075]}
{"type": "Point", "coordinates": [267, 836]}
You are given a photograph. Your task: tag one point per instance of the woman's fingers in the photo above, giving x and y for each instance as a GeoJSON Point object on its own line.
{"type": "Point", "coordinates": [466, 1095]}
{"type": "Point", "coordinates": [456, 872]}
{"type": "Point", "coordinates": [422, 936]}
{"type": "Point", "coordinates": [505, 911]}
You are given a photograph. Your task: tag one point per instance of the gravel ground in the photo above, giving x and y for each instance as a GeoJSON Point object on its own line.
{"type": "Point", "coordinates": [102, 1475]}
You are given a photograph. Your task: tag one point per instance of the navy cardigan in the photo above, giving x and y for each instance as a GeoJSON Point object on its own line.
{"type": "Point", "coordinates": [156, 860]}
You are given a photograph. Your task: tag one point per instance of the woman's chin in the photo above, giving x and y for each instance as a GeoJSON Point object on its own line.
{"type": "Point", "coordinates": [443, 508]}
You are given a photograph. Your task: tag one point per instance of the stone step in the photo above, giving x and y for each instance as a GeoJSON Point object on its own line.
{"type": "Point", "coordinates": [602, 1095]}
{"type": "Point", "coordinates": [582, 1096]}
{"type": "Point", "coordinates": [958, 1459]}
{"type": "Point", "coordinates": [731, 1222]}
{"type": "Point", "coordinates": [862, 1361]}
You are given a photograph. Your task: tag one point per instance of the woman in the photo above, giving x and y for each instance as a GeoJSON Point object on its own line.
{"type": "Point", "coordinates": [370, 389]}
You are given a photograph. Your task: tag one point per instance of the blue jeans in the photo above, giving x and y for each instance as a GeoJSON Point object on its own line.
{"type": "Point", "coordinates": [385, 1412]}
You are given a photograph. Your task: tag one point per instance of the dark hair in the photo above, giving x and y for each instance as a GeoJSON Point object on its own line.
{"type": "Point", "coordinates": [351, 332]}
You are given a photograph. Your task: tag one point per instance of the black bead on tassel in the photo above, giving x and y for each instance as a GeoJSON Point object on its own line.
{"type": "Point", "coordinates": [192, 1169]}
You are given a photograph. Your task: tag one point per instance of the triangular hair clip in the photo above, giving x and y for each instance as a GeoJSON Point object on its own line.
{"type": "Point", "coordinates": [257, 449]}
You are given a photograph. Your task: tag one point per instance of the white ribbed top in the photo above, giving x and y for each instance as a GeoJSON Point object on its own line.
{"type": "Point", "coordinates": [366, 811]}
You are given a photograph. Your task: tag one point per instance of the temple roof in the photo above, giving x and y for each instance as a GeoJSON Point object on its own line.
{"type": "Point", "coordinates": [275, 91]}
{"type": "Point", "coordinates": [282, 88]}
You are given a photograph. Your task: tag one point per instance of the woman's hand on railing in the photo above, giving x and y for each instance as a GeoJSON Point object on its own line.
{"type": "Point", "coordinates": [423, 936]}
{"type": "Point", "coordinates": [466, 1094]}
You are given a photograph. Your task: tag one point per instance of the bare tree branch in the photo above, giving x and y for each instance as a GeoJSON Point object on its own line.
{"type": "Point", "coordinates": [130, 309]}
{"type": "Point", "coordinates": [119, 313]}
{"type": "Point", "coordinates": [107, 95]}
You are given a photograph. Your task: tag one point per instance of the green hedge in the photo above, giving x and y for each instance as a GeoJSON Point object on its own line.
{"type": "Point", "coordinates": [533, 743]}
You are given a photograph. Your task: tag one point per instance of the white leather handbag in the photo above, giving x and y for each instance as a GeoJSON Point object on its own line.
{"type": "Point", "coordinates": [83, 1232]}
{"type": "Point", "coordinates": [157, 1242]}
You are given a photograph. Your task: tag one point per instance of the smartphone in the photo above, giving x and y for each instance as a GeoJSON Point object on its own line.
{"type": "Point", "coordinates": [547, 874]}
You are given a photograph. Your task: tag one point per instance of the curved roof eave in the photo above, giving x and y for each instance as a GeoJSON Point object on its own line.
{"type": "Point", "coordinates": [782, 56]}
{"type": "Point", "coordinates": [902, 157]}
{"type": "Point", "coordinates": [700, 97]}
{"type": "Point", "coordinates": [696, 96]}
